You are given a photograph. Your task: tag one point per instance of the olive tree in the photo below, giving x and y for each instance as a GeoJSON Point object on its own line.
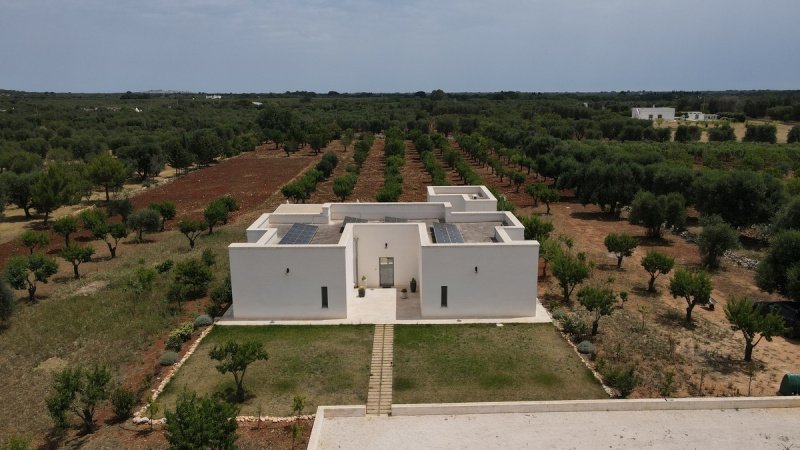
{"type": "Point", "coordinates": [24, 272]}
{"type": "Point", "coordinates": [755, 325]}
{"type": "Point", "coordinates": [144, 220]}
{"type": "Point", "coordinates": [621, 245]}
{"type": "Point", "coordinates": [65, 226]}
{"type": "Point", "coordinates": [33, 239]}
{"type": "Point", "coordinates": [79, 391]}
{"type": "Point", "coordinates": [77, 254]}
{"type": "Point", "coordinates": [201, 422]}
{"type": "Point", "coordinates": [191, 229]}
{"type": "Point", "coordinates": [597, 300]}
{"type": "Point", "coordinates": [693, 287]}
{"type": "Point", "coordinates": [166, 209]}
{"type": "Point", "coordinates": [780, 270]}
{"type": "Point", "coordinates": [107, 172]}
{"type": "Point", "coordinates": [570, 270]}
{"type": "Point", "coordinates": [235, 357]}
{"type": "Point", "coordinates": [656, 263]}
{"type": "Point", "coordinates": [536, 228]}
{"type": "Point", "coordinates": [716, 238]}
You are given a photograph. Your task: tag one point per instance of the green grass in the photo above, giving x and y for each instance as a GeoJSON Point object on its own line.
{"type": "Point", "coordinates": [480, 363]}
{"type": "Point", "coordinates": [111, 327]}
{"type": "Point", "coordinates": [329, 365]}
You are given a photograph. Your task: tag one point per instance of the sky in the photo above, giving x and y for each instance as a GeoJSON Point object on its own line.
{"type": "Point", "coordinates": [398, 46]}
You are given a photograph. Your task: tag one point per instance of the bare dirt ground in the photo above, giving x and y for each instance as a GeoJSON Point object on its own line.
{"type": "Point", "coordinates": [739, 128]}
{"type": "Point", "coordinates": [706, 359]}
{"type": "Point", "coordinates": [250, 178]}
{"type": "Point", "coordinates": [415, 177]}
{"type": "Point", "coordinates": [370, 179]}
{"type": "Point", "coordinates": [324, 192]}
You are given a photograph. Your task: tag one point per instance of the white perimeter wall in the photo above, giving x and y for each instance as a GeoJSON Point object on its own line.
{"type": "Point", "coordinates": [505, 285]}
{"type": "Point", "coordinates": [263, 290]}
{"type": "Point", "coordinates": [403, 241]}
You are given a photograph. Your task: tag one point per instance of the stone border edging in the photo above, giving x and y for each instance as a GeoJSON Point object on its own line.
{"type": "Point", "coordinates": [648, 404]}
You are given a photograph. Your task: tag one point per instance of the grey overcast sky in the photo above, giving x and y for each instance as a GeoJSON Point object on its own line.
{"type": "Point", "coordinates": [398, 46]}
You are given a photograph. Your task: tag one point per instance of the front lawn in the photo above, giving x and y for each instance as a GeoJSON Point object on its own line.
{"type": "Point", "coordinates": [328, 365]}
{"type": "Point", "coordinates": [484, 363]}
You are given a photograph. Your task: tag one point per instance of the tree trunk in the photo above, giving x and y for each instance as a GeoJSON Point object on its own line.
{"type": "Point", "coordinates": [191, 244]}
{"type": "Point", "coordinates": [107, 197]}
{"type": "Point", "coordinates": [594, 327]}
{"type": "Point", "coordinates": [141, 230]}
{"type": "Point", "coordinates": [689, 313]}
{"type": "Point", "coordinates": [619, 262]}
{"type": "Point", "coordinates": [748, 351]}
{"type": "Point", "coordinates": [239, 392]}
{"type": "Point", "coordinates": [46, 217]}
{"type": "Point", "coordinates": [32, 293]}
{"type": "Point", "coordinates": [651, 285]}
{"type": "Point", "coordinates": [112, 250]}
{"type": "Point", "coordinates": [548, 208]}
{"type": "Point", "coordinates": [566, 294]}
{"type": "Point", "coordinates": [27, 210]}
{"type": "Point", "coordinates": [66, 239]}
{"type": "Point", "coordinates": [75, 271]}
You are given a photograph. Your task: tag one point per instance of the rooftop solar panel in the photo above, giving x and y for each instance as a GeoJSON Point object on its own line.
{"type": "Point", "coordinates": [389, 219]}
{"type": "Point", "coordinates": [299, 233]}
{"type": "Point", "coordinates": [348, 219]}
{"type": "Point", "coordinates": [447, 233]}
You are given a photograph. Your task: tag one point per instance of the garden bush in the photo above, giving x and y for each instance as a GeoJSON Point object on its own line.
{"type": "Point", "coordinates": [576, 327]}
{"type": "Point", "coordinates": [586, 347]}
{"type": "Point", "coordinates": [203, 321]}
{"type": "Point", "coordinates": [168, 358]}
{"type": "Point", "coordinates": [165, 266]}
{"type": "Point", "coordinates": [174, 343]}
{"type": "Point", "coordinates": [123, 401]}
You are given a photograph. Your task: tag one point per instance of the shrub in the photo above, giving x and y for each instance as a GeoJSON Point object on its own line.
{"type": "Point", "coordinates": [576, 327]}
{"type": "Point", "coordinates": [184, 331]}
{"type": "Point", "coordinates": [558, 313]}
{"type": "Point", "coordinates": [209, 257]}
{"type": "Point", "coordinates": [174, 343]}
{"type": "Point", "coordinates": [16, 443]}
{"type": "Point", "coordinates": [144, 220]}
{"type": "Point", "coordinates": [165, 266]}
{"type": "Point", "coordinates": [201, 422]}
{"type": "Point", "coordinates": [194, 276]}
{"type": "Point", "coordinates": [123, 401]}
{"type": "Point", "coordinates": [586, 347]}
{"type": "Point", "coordinates": [203, 320]}
{"type": "Point", "coordinates": [168, 358]}
{"type": "Point", "coordinates": [624, 380]}
{"type": "Point", "coordinates": [7, 301]}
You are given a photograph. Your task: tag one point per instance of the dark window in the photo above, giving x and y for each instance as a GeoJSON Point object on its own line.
{"type": "Point", "coordinates": [324, 296]}
{"type": "Point", "coordinates": [444, 296]}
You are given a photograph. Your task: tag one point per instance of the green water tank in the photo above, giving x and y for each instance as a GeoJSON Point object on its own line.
{"type": "Point", "coordinates": [790, 384]}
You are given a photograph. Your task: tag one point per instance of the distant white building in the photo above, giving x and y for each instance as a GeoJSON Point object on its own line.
{"type": "Point", "coordinates": [666, 114]}
{"type": "Point", "coordinates": [213, 97]}
{"type": "Point", "coordinates": [468, 260]}
{"type": "Point", "coordinates": [697, 116]}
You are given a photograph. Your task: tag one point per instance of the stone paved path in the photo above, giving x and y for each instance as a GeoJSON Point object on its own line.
{"type": "Point", "coordinates": [379, 396]}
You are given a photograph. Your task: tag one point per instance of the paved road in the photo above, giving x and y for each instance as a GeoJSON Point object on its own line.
{"type": "Point", "coordinates": [704, 429]}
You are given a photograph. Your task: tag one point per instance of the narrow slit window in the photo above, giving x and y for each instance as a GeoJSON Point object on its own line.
{"type": "Point", "coordinates": [444, 296]}
{"type": "Point", "coordinates": [324, 297]}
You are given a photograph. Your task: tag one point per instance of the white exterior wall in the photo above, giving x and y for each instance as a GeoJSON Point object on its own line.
{"type": "Point", "coordinates": [378, 211]}
{"type": "Point", "coordinates": [464, 198]}
{"type": "Point", "coordinates": [644, 113]}
{"type": "Point", "coordinates": [403, 241]}
{"type": "Point", "coordinates": [505, 285]}
{"type": "Point", "coordinates": [263, 290]}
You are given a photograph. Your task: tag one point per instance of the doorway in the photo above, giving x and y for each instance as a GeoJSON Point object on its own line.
{"type": "Point", "coordinates": [386, 271]}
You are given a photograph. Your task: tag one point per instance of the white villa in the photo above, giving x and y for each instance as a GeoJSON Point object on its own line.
{"type": "Point", "coordinates": [667, 114]}
{"type": "Point", "coordinates": [305, 261]}
{"type": "Point", "coordinates": [697, 116]}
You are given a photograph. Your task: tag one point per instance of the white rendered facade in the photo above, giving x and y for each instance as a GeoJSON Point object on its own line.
{"type": "Point", "coordinates": [697, 116]}
{"type": "Point", "coordinates": [667, 114]}
{"type": "Point", "coordinates": [492, 274]}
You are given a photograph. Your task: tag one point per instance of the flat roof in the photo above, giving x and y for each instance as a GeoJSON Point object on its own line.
{"type": "Point", "coordinates": [473, 232]}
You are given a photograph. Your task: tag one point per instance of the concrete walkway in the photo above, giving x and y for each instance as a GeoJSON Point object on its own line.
{"type": "Point", "coordinates": [379, 396]}
{"type": "Point", "coordinates": [384, 306]}
{"type": "Point", "coordinates": [777, 428]}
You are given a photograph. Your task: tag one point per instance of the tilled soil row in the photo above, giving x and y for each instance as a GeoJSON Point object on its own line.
{"type": "Point", "coordinates": [370, 179]}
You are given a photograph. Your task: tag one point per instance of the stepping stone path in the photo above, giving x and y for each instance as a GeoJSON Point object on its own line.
{"type": "Point", "coordinates": [379, 396]}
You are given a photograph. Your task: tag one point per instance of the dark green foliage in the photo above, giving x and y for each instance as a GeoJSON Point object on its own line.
{"type": "Point", "coordinates": [570, 270]}
{"type": "Point", "coordinates": [193, 275]}
{"type": "Point", "coordinates": [33, 239]}
{"type": "Point", "coordinates": [205, 145]}
{"type": "Point", "coordinates": [686, 133]}
{"type": "Point", "coordinates": [745, 316]}
{"type": "Point", "coordinates": [77, 254]}
{"type": "Point", "coordinates": [24, 272]}
{"type": "Point", "coordinates": [599, 301]}
{"type": "Point", "coordinates": [146, 158]}
{"type": "Point", "coordinates": [203, 320]}
{"type": "Point", "coordinates": [656, 263]}
{"type": "Point", "coordinates": [65, 226]}
{"type": "Point", "coordinates": [585, 347]}
{"type": "Point", "coordinates": [722, 133]}
{"type": "Point", "coordinates": [209, 257]}
{"type": "Point", "coordinates": [780, 270]}
{"type": "Point", "coordinates": [788, 217]}
{"type": "Point", "coordinates": [144, 220]}
{"type": "Point", "coordinates": [343, 185]}
{"type": "Point", "coordinates": [107, 172]}
{"type": "Point", "coordinates": [219, 297]}
{"type": "Point", "coordinates": [168, 358]}
{"type": "Point", "coordinates": [122, 207]}
{"type": "Point", "coordinates": [191, 229]}
{"type": "Point", "coordinates": [536, 228]}
{"type": "Point", "coordinates": [693, 287]}
{"type": "Point", "coordinates": [52, 189]}
{"type": "Point", "coordinates": [165, 266]}
{"type": "Point", "coordinates": [215, 214]}
{"type": "Point", "coordinates": [794, 135]}
{"type": "Point", "coordinates": [740, 197]}
{"type": "Point", "coordinates": [19, 190]}
{"type": "Point", "coordinates": [201, 422]}
{"type": "Point", "coordinates": [761, 133]}
{"type": "Point", "coordinates": [235, 357]}
{"type": "Point", "coordinates": [653, 211]}
{"type": "Point", "coordinates": [716, 238]}
{"type": "Point", "coordinates": [166, 210]}
{"type": "Point", "coordinates": [621, 245]}
{"type": "Point", "coordinates": [623, 379]}
{"type": "Point", "coordinates": [8, 302]}
{"type": "Point", "coordinates": [123, 401]}
{"type": "Point", "coordinates": [79, 391]}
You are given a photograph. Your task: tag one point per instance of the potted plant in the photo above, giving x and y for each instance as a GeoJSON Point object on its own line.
{"type": "Point", "coordinates": [413, 285]}
{"type": "Point", "coordinates": [404, 293]}
{"type": "Point", "coordinates": [362, 289]}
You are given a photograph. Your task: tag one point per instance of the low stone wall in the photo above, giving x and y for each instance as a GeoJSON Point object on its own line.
{"type": "Point", "coordinates": [739, 260]}
{"type": "Point", "coordinates": [596, 405]}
